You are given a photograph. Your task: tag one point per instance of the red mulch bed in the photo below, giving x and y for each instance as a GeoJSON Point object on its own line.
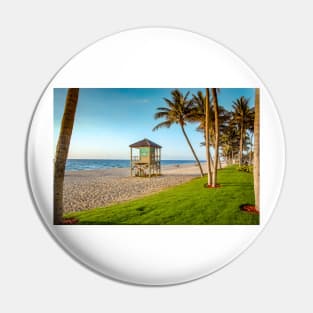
{"type": "Point", "coordinates": [249, 208]}
{"type": "Point", "coordinates": [210, 186]}
{"type": "Point", "coordinates": [70, 221]}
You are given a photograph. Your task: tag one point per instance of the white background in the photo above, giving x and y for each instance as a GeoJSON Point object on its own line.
{"type": "Point", "coordinates": [274, 38]}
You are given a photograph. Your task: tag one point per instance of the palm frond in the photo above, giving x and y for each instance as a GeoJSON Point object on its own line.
{"type": "Point", "coordinates": [166, 124]}
{"type": "Point", "coordinates": [163, 109]}
{"type": "Point", "coordinates": [171, 104]}
{"type": "Point", "coordinates": [158, 115]}
{"type": "Point", "coordinates": [186, 96]}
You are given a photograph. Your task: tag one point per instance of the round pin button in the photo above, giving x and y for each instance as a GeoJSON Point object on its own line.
{"type": "Point", "coordinates": [155, 156]}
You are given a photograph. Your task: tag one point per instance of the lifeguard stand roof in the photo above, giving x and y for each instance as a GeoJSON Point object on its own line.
{"type": "Point", "coordinates": [145, 143]}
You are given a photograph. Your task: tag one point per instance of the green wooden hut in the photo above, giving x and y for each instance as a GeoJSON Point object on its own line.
{"type": "Point", "coordinates": [145, 158]}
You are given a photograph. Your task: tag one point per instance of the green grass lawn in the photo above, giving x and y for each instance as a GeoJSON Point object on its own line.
{"type": "Point", "coordinates": [186, 204]}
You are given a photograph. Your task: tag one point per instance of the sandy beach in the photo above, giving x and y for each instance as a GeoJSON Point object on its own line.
{"type": "Point", "coordinates": [89, 189]}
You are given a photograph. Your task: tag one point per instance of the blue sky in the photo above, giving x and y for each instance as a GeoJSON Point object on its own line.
{"type": "Point", "coordinates": [108, 120]}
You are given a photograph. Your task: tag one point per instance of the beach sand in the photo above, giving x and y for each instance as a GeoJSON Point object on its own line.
{"type": "Point", "coordinates": [98, 188]}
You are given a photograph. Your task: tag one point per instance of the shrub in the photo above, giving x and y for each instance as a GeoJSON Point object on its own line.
{"type": "Point", "coordinates": [245, 168]}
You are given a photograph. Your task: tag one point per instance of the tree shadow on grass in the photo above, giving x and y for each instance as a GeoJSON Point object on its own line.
{"type": "Point", "coordinates": [237, 185]}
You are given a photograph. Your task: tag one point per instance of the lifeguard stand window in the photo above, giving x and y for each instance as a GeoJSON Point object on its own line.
{"type": "Point", "coordinates": [144, 152]}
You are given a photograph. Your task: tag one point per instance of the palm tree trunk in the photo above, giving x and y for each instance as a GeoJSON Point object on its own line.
{"type": "Point", "coordinates": [216, 115]}
{"type": "Point", "coordinates": [207, 136]}
{"type": "Point", "coordinates": [250, 157]}
{"type": "Point", "coordinates": [241, 144]}
{"type": "Point", "coordinates": [211, 160]}
{"type": "Point", "coordinates": [62, 152]}
{"type": "Point", "coordinates": [209, 164]}
{"type": "Point", "coordinates": [193, 151]}
{"type": "Point", "coordinates": [256, 161]}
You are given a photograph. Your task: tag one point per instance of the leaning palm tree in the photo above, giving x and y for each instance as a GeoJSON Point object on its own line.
{"type": "Point", "coordinates": [217, 132]}
{"type": "Point", "coordinates": [202, 114]}
{"type": "Point", "coordinates": [243, 117]}
{"type": "Point", "coordinates": [256, 161]}
{"type": "Point", "coordinates": [176, 112]}
{"type": "Point", "coordinates": [62, 152]}
{"type": "Point", "coordinates": [197, 113]}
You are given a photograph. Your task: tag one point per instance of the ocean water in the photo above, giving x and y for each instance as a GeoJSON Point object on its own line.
{"type": "Point", "coordinates": [91, 164]}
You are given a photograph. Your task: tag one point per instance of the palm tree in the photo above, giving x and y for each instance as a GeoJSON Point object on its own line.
{"type": "Point", "coordinates": [62, 152]}
{"type": "Point", "coordinates": [224, 122]}
{"type": "Point", "coordinates": [217, 131]}
{"type": "Point", "coordinates": [207, 135]}
{"type": "Point", "coordinates": [177, 112]}
{"type": "Point", "coordinates": [243, 117]}
{"type": "Point", "coordinates": [250, 144]}
{"type": "Point", "coordinates": [198, 114]}
{"type": "Point", "coordinates": [256, 161]}
{"type": "Point", "coordinates": [229, 142]}
{"type": "Point", "coordinates": [201, 113]}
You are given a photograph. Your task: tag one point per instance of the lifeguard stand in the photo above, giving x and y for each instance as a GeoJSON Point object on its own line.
{"type": "Point", "coordinates": [146, 159]}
